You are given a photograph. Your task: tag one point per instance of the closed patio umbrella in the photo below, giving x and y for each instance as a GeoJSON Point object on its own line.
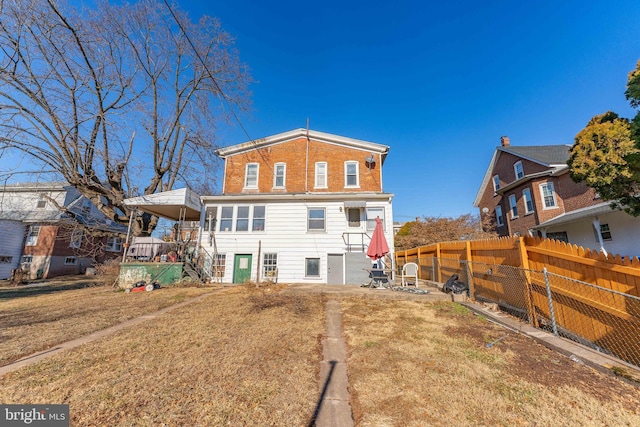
{"type": "Point", "coordinates": [378, 246]}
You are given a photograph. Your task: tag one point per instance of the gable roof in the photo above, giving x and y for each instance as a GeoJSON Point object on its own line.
{"type": "Point", "coordinates": [554, 157]}
{"type": "Point", "coordinates": [299, 133]}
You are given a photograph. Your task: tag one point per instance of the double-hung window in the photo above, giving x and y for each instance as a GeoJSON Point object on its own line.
{"type": "Point", "coordinates": [32, 236]}
{"type": "Point", "coordinates": [517, 169]}
{"type": "Point", "coordinates": [321, 175]}
{"type": "Point", "coordinates": [499, 220]}
{"type": "Point", "coordinates": [76, 239]}
{"type": "Point", "coordinates": [114, 244]}
{"type": "Point", "coordinates": [372, 214]}
{"type": "Point", "coordinates": [513, 207]}
{"type": "Point", "coordinates": [226, 219]}
{"type": "Point", "coordinates": [258, 218]}
{"type": "Point", "coordinates": [279, 174]}
{"type": "Point", "coordinates": [528, 201]}
{"type": "Point", "coordinates": [548, 195]}
{"type": "Point", "coordinates": [496, 183]}
{"type": "Point", "coordinates": [251, 176]}
{"type": "Point", "coordinates": [605, 232]}
{"type": "Point", "coordinates": [316, 219]}
{"type": "Point", "coordinates": [351, 174]}
{"type": "Point", "coordinates": [242, 220]}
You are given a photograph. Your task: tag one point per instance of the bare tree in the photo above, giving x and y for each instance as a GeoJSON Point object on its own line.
{"type": "Point", "coordinates": [100, 96]}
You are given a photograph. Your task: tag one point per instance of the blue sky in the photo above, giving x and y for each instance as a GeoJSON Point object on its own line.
{"type": "Point", "coordinates": [439, 82]}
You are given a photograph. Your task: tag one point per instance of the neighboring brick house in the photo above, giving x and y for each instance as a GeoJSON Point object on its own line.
{"type": "Point", "coordinates": [43, 240]}
{"type": "Point", "coordinates": [300, 204]}
{"type": "Point", "coordinates": [528, 190]}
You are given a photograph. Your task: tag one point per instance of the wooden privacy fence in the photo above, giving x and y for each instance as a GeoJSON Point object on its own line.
{"type": "Point", "coordinates": [578, 293]}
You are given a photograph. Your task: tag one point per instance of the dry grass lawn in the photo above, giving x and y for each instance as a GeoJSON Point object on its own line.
{"type": "Point", "coordinates": [34, 318]}
{"type": "Point", "coordinates": [245, 357]}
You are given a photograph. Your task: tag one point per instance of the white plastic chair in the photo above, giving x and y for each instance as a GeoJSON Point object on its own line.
{"type": "Point", "coordinates": [410, 273]}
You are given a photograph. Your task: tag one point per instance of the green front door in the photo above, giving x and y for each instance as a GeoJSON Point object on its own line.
{"type": "Point", "coordinates": [242, 269]}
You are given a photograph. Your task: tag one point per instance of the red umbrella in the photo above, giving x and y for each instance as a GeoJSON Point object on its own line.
{"type": "Point", "coordinates": [378, 246]}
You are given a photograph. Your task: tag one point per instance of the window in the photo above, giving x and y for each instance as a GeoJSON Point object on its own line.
{"type": "Point", "coordinates": [496, 183]}
{"type": "Point", "coordinates": [354, 217]}
{"type": "Point", "coordinates": [76, 239]}
{"type": "Point", "coordinates": [226, 218]}
{"type": "Point", "coordinates": [558, 235]}
{"type": "Point", "coordinates": [351, 174]}
{"type": "Point", "coordinates": [321, 175]}
{"type": "Point", "coordinates": [114, 244]}
{"type": "Point", "coordinates": [86, 206]}
{"type": "Point", "coordinates": [312, 267]}
{"type": "Point", "coordinates": [372, 214]}
{"type": "Point", "coordinates": [32, 235]}
{"type": "Point", "coordinates": [512, 206]}
{"type": "Point", "coordinates": [258, 218]}
{"type": "Point", "coordinates": [499, 220]}
{"type": "Point", "coordinates": [70, 260]}
{"type": "Point", "coordinates": [279, 175]}
{"type": "Point", "coordinates": [251, 176]}
{"type": "Point", "coordinates": [605, 232]}
{"type": "Point", "coordinates": [27, 259]}
{"type": "Point", "coordinates": [548, 196]}
{"type": "Point", "coordinates": [517, 168]}
{"type": "Point", "coordinates": [315, 219]}
{"type": "Point", "coordinates": [42, 202]}
{"type": "Point", "coordinates": [270, 265]}
{"type": "Point", "coordinates": [5, 259]}
{"type": "Point", "coordinates": [219, 264]}
{"type": "Point", "coordinates": [528, 202]}
{"type": "Point", "coordinates": [242, 220]}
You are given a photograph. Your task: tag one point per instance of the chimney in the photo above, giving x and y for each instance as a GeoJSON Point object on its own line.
{"type": "Point", "coordinates": [504, 141]}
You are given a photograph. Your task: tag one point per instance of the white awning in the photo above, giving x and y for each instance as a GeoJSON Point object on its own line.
{"type": "Point", "coordinates": [181, 204]}
{"type": "Point", "coordinates": [355, 204]}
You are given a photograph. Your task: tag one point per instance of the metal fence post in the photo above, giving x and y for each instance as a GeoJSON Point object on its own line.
{"type": "Point", "coordinates": [470, 281]}
{"type": "Point", "coordinates": [550, 299]}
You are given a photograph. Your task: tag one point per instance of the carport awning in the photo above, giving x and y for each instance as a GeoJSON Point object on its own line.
{"type": "Point", "coordinates": [355, 204]}
{"type": "Point", "coordinates": [175, 204]}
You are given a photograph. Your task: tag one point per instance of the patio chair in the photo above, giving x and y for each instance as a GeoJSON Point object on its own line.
{"type": "Point", "coordinates": [410, 274]}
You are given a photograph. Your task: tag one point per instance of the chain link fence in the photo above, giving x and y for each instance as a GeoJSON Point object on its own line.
{"type": "Point", "coordinates": [604, 319]}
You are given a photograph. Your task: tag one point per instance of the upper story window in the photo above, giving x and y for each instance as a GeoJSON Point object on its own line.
{"type": "Point", "coordinates": [528, 201]}
{"type": "Point", "coordinates": [372, 214]}
{"type": "Point", "coordinates": [32, 236]}
{"type": "Point", "coordinates": [251, 176]}
{"type": "Point", "coordinates": [86, 207]}
{"type": "Point", "coordinates": [548, 195]}
{"type": "Point", "coordinates": [321, 175]}
{"type": "Point", "coordinates": [496, 182]}
{"type": "Point", "coordinates": [513, 206]}
{"type": "Point", "coordinates": [114, 244]}
{"type": "Point", "coordinates": [351, 174]}
{"type": "Point", "coordinates": [605, 232]}
{"type": "Point", "coordinates": [279, 175]}
{"type": "Point", "coordinates": [42, 202]}
{"type": "Point", "coordinates": [517, 169]}
{"type": "Point", "coordinates": [499, 220]}
{"type": "Point", "coordinates": [226, 218]}
{"type": "Point", "coordinates": [316, 219]}
{"type": "Point", "coordinates": [258, 218]}
{"type": "Point", "coordinates": [76, 239]}
{"type": "Point", "coordinates": [242, 220]}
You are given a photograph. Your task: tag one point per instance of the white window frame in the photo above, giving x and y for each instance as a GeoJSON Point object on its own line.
{"type": "Point", "coordinates": [321, 175]}
{"type": "Point", "coordinates": [257, 217]}
{"type": "Point", "coordinates": [526, 196]}
{"type": "Point", "coordinates": [605, 230]}
{"type": "Point", "coordinates": [219, 266]}
{"type": "Point", "coordinates": [71, 260]}
{"type": "Point", "coordinates": [223, 218]}
{"type": "Point", "coordinates": [518, 170]}
{"type": "Point", "coordinates": [249, 178]}
{"type": "Point", "coordinates": [499, 218]}
{"type": "Point", "coordinates": [496, 182]}
{"type": "Point", "coordinates": [75, 241]}
{"type": "Point", "coordinates": [347, 175]}
{"type": "Point", "coordinates": [553, 195]}
{"type": "Point", "coordinates": [42, 202]}
{"type": "Point", "coordinates": [372, 213]}
{"type": "Point", "coordinates": [245, 226]}
{"type": "Point", "coordinates": [276, 175]}
{"type": "Point", "coordinates": [26, 259]}
{"type": "Point", "coordinates": [306, 267]}
{"type": "Point", "coordinates": [513, 206]}
{"type": "Point", "coordinates": [269, 264]}
{"type": "Point", "coordinates": [114, 244]}
{"type": "Point", "coordinates": [32, 235]}
{"type": "Point", "coordinates": [315, 220]}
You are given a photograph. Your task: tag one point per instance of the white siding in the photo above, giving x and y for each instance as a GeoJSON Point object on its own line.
{"type": "Point", "coordinates": [286, 234]}
{"type": "Point", "coordinates": [12, 233]}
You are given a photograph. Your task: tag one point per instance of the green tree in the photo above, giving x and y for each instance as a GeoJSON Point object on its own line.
{"type": "Point", "coordinates": [606, 154]}
{"type": "Point", "coordinates": [437, 229]}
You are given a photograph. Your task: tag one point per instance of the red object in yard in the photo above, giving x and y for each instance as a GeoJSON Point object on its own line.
{"type": "Point", "coordinates": [378, 246]}
{"type": "Point", "coordinates": [138, 289]}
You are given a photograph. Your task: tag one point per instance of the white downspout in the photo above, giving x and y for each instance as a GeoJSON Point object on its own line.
{"type": "Point", "coordinates": [596, 225]}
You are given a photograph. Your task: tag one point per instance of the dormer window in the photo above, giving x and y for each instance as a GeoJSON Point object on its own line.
{"type": "Point", "coordinates": [517, 168]}
{"type": "Point", "coordinates": [251, 176]}
{"type": "Point", "coordinates": [496, 182]}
